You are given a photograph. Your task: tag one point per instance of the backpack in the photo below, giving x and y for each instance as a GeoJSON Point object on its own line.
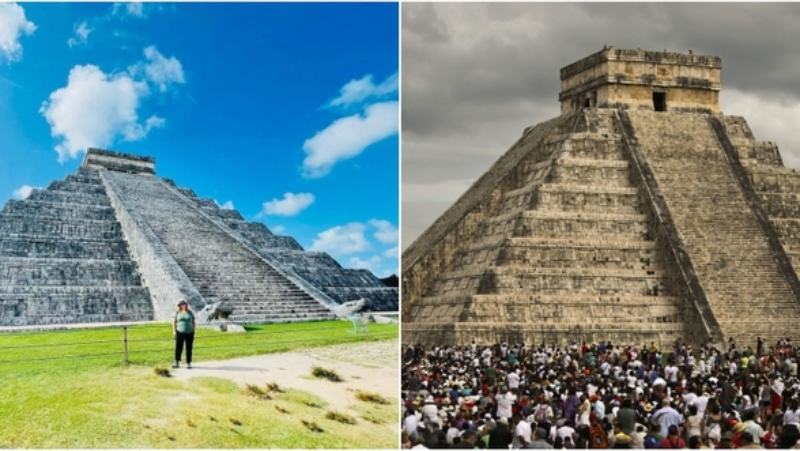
{"type": "Point", "coordinates": [598, 439]}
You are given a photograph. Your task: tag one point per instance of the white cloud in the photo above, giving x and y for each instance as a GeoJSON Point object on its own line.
{"type": "Point", "coordinates": [162, 71]}
{"type": "Point", "coordinates": [135, 9]}
{"type": "Point", "coordinates": [82, 31]}
{"type": "Point", "coordinates": [24, 191]}
{"type": "Point", "coordinates": [278, 229]}
{"type": "Point", "coordinates": [347, 137]}
{"type": "Point", "coordinates": [95, 109]}
{"type": "Point", "coordinates": [373, 263]}
{"type": "Point", "coordinates": [290, 205]}
{"type": "Point", "coordinates": [358, 91]}
{"type": "Point", "coordinates": [392, 253]}
{"type": "Point", "coordinates": [13, 24]}
{"type": "Point", "coordinates": [346, 239]}
{"type": "Point", "coordinates": [386, 233]}
{"type": "Point", "coordinates": [770, 119]}
{"type": "Point", "coordinates": [226, 206]}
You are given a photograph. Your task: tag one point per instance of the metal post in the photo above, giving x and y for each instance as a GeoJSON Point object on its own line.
{"type": "Point", "coordinates": [125, 341]}
{"type": "Point", "coordinates": [364, 322]}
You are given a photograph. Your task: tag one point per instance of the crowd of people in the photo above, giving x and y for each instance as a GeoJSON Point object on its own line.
{"type": "Point", "coordinates": [601, 395]}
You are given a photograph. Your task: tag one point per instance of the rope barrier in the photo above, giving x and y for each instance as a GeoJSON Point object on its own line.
{"type": "Point", "coordinates": [61, 357]}
{"type": "Point", "coordinates": [148, 326]}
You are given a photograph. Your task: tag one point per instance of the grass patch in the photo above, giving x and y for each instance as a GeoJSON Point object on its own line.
{"type": "Point", "coordinates": [273, 387]}
{"type": "Point", "coordinates": [257, 392]}
{"type": "Point", "coordinates": [376, 413]}
{"type": "Point", "coordinates": [312, 426]}
{"type": "Point", "coordinates": [217, 384]}
{"type": "Point", "coordinates": [161, 372]}
{"type": "Point", "coordinates": [302, 398]}
{"type": "Point", "coordinates": [340, 417]}
{"type": "Point", "coordinates": [94, 400]}
{"type": "Point", "coordinates": [323, 373]}
{"type": "Point", "coordinates": [371, 397]}
{"type": "Point", "coordinates": [72, 350]}
{"type": "Point", "coordinates": [372, 419]}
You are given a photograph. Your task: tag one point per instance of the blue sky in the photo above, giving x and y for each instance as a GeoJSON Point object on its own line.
{"type": "Point", "coordinates": [287, 112]}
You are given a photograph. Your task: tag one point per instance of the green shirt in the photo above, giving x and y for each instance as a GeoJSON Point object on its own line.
{"type": "Point", "coordinates": [183, 322]}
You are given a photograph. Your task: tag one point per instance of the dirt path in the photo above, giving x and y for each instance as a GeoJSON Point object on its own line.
{"type": "Point", "coordinates": [371, 367]}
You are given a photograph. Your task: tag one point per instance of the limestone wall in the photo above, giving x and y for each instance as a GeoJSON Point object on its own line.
{"type": "Point", "coordinates": [569, 252]}
{"type": "Point", "coordinates": [63, 259]}
{"type": "Point", "coordinates": [617, 78]}
{"type": "Point", "coordinates": [106, 159]}
{"type": "Point", "coordinates": [431, 254]}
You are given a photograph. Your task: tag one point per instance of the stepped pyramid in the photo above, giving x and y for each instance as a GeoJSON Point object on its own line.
{"type": "Point", "coordinates": [641, 214]}
{"type": "Point", "coordinates": [113, 242]}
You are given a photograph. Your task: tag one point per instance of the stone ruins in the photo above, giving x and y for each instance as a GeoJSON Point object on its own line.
{"type": "Point", "coordinates": [640, 214]}
{"type": "Point", "coordinates": [113, 242]}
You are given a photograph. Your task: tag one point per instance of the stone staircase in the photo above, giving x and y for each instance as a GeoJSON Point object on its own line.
{"type": "Point", "coordinates": [726, 245]}
{"type": "Point", "coordinates": [219, 266]}
{"type": "Point", "coordinates": [568, 256]}
{"type": "Point", "coordinates": [63, 259]}
{"type": "Point", "coordinates": [316, 268]}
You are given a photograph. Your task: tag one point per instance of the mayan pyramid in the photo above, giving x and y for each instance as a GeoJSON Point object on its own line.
{"type": "Point", "coordinates": [642, 213]}
{"type": "Point", "coordinates": [114, 242]}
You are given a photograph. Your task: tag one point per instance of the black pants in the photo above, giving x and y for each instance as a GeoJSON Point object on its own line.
{"type": "Point", "coordinates": [180, 339]}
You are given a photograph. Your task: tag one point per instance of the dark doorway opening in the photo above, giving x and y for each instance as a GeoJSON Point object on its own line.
{"type": "Point", "coordinates": [660, 101]}
{"type": "Point", "coordinates": [587, 103]}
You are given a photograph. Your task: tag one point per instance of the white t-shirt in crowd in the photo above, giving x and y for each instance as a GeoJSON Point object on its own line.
{"type": "Point", "coordinates": [504, 402]}
{"type": "Point", "coordinates": [523, 429]}
{"type": "Point", "coordinates": [412, 421]}
{"type": "Point", "coordinates": [566, 431]}
{"type": "Point", "coordinates": [671, 373]}
{"type": "Point", "coordinates": [791, 417]}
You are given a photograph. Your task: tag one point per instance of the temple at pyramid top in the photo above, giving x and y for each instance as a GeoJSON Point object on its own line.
{"type": "Point", "coordinates": [642, 80]}
{"type": "Point", "coordinates": [118, 161]}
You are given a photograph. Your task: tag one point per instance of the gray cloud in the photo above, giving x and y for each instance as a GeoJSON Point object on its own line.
{"type": "Point", "coordinates": [475, 75]}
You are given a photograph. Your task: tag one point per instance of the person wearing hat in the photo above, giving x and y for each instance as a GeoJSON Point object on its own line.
{"type": "Point", "coordinates": [738, 430]}
{"type": "Point", "coordinates": [598, 407]}
{"type": "Point", "coordinates": [622, 441]}
{"type": "Point", "coordinates": [183, 326]}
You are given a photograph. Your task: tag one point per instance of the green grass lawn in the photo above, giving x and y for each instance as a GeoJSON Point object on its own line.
{"type": "Point", "coordinates": [71, 389]}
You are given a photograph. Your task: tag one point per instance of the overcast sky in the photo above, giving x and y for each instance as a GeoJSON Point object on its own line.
{"type": "Point", "coordinates": [475, 75]}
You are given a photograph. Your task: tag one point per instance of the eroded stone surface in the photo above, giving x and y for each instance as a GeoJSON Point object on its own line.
{"type": "Point", "coordinates": [113, 243]}
{"type": "Point", "coordinates": [617, 222]}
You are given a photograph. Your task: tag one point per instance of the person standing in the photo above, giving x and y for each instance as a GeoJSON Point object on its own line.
{"type": "Point", "coordinates": [183, 326]}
